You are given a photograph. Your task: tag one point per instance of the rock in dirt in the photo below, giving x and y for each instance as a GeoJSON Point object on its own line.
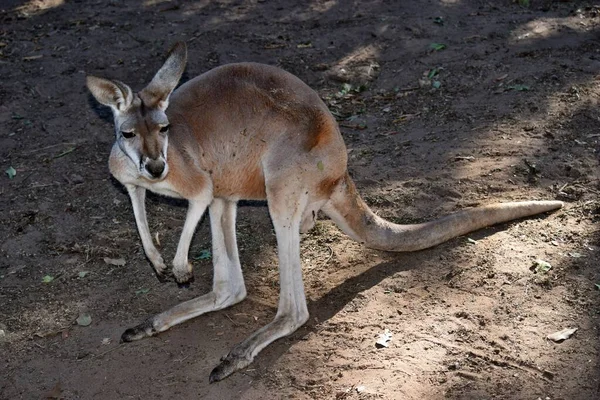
{"type": "Point", "coordinates": [77, 179]}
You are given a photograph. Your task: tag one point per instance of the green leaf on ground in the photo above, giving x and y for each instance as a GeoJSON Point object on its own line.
{"type": "Point", "coordinates": [11, 172]}
{"type": "Point", "coordinates": [203, 255]}
{"type": "Point", "coordinates": [83, 274]}
{"type": "Point", "coordinates": [320, 166]}
{"type": "Point", "coordinates": [141, 291]}
{"type": "Point", "coordinates": [433, 72]}
{"type": "Point", "coordinates": [541, 266]}
{"type": "Point", "coordinates": [346, 88]}
{"type": "Point", "coordinates": [84, 319]}
{"type": "Point", "coordinates": [47, 279]}
{"type": "Point", "coordinates": [436, 84]}
{"type": "Point", "coordinates": [64, 153]}
{"type": "Point", "coordinates": [519, 88]}
{"type": "Point", "coordinates": [437, 46]}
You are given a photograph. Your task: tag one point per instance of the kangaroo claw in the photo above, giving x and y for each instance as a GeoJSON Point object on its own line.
{"type": "Point", "coordinates": [186, 284]}
{"type": "Point", "coordinates": [162, 278]}
{"type": "Point", "coordinates": [143, 330]}
{"type": "Point", "coordinates": [228, 366]}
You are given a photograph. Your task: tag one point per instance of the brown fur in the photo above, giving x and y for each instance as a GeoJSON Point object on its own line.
{"type": "Point", "coordinates": [320, 131]}
{"type": "Point", "coordinates": [351, 206]}
{"type": "Point", "coordinates": [186, 181]}
{"type": "Point", "coordinates": [327, 186]}
{"type": "Point", "coordinates": [250, 186]}
{"type": "Point", "coordinates": [150, 98]}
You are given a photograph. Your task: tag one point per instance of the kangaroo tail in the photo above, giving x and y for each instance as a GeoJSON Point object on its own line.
{"type": "Point", "coordinates": [355, 218]}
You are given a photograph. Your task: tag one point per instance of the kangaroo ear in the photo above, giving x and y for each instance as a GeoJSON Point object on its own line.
{"type": "Point", "coordinates": [115, 94]}
{"type": "Point", "coordinates": [157, 93]}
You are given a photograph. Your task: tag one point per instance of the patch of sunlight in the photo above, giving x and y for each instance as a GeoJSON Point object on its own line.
{"type": "Point", "coordinates": [324, 6]}
{"type": "Point", "coordinates": [545, 27]}
{"type": "Point", "coordinates": [150, 3]}
{"type": "Point", "coordinates": [34, 7]}
{"type": "Point", "coordinates": [362, 53]}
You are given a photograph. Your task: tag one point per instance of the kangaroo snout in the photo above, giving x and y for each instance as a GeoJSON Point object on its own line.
{"type": "Point", "coordinates": [155, 167]}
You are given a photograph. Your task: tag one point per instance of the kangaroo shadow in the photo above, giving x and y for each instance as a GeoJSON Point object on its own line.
{"type": "Point", "coordinates": [104, 113]}
{"type": "Point", "coordinates": [334, 301]}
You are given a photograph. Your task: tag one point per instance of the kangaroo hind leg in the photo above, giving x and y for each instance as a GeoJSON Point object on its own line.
{"type": "Point", "coordinates": [228, 281]}
{"type": "Point", "coordinates": [286, 211]}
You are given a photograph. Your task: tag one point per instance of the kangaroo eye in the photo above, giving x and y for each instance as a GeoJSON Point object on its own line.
{"type": "Point", "coordinates": [128, 135]}
{"type": "Point", "coordinates": [165, 129]}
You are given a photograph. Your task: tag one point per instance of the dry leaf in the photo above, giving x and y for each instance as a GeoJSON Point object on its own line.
{"type": "Point", "coordinates": [53, 393]}
{"type": "Point", "coordinates": [562, 335]}
{"type": "Point", "coordinates": [384, 339]}
{"type": "Point", "coordinates": [119, 262]}
{"type": "Point", "coordinates": [30, 58]}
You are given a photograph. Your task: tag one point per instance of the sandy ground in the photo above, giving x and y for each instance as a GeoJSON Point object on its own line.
{"type": "Point", "coordinates": [507, 110]}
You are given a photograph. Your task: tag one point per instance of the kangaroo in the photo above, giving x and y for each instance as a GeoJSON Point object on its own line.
{"type": "Point", "coordinates": [251, 131]}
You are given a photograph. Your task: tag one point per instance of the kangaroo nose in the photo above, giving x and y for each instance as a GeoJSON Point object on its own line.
{"type": "Point", "coordinates": [155, 167]}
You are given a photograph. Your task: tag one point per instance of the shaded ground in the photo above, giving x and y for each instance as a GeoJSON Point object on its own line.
{"type": "Point", "coordinates": [513, 115]}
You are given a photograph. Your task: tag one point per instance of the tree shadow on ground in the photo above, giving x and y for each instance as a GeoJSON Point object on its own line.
{"type": "Point", "coordinates": [391, 38]}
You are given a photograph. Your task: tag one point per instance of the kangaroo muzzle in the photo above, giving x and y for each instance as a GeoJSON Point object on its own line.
{"type": "Point", "coordinates": [155, 167]}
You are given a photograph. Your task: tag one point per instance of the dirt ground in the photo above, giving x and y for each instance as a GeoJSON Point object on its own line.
{"type": "Point", "coordinates": [443, 105]}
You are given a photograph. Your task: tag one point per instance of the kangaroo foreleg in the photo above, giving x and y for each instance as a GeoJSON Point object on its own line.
{"type": "Point", "coordinates": [182, 269]}
{"type": "Point", "coordinates": [228, 281]}
{"type": "Point", "coordinates": [138, 201]}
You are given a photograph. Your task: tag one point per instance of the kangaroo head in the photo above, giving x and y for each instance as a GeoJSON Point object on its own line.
{"type": "Point", "coordinates": [141, 124]}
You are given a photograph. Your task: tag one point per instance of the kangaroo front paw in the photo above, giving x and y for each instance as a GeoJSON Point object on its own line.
{"type": "Point", "coordinates": [184, 274]}
{"type": "Point", "coordinates": [143, 330]}
{"type": "Point", "coordinates": [228, 366]}
{"type": "Point", "coordinates": [160, 268]}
